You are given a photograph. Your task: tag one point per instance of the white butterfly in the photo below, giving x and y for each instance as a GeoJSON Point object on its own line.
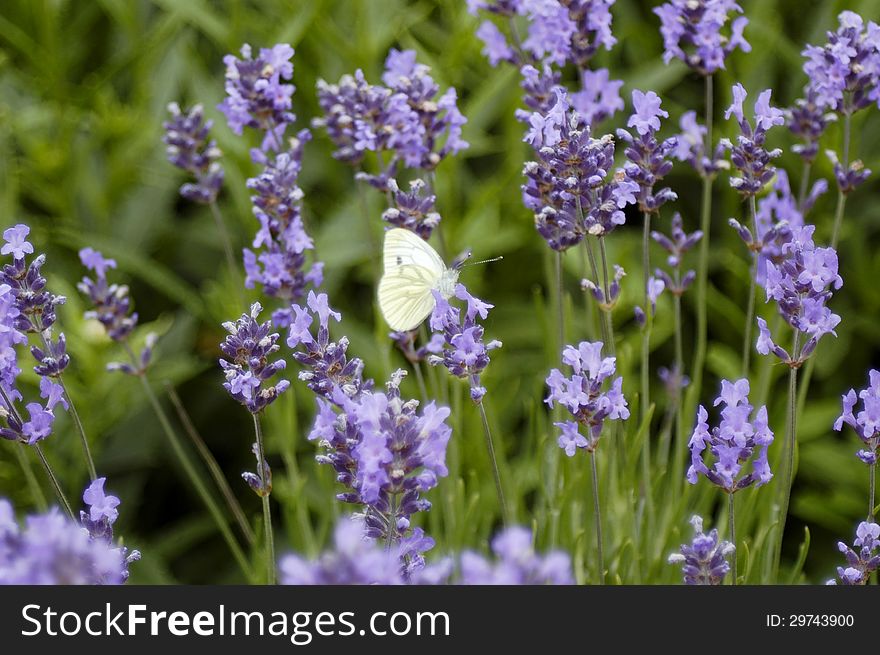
{"type": "Point", "coordinates": [413, 269]}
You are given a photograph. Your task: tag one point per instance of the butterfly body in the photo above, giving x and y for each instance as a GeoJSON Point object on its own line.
{"type": "Point", "coordinates": [413, 271]}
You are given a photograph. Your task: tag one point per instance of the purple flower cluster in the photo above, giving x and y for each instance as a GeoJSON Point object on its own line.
{"type": "Point", "coordinates": [606, 303]}
{"type": "Point", "coordinates": [282, 238]}
{"type": "Point", "coordinates": [516, 563]}
{"type": "Point", "coordinates": [801, 286]}
{"type": "Point", "coordinates": [112, 308]}
{"type": "Point", "coordinates": [327, 365]}
{"type": "Point", "coordinates": [704, 560]}
{"type": "Point", "coordinates": [865, 561]}
{"type": "Point", "coordinates": [98, 520]}
{"type": "Point", "coordinates": [386, 452]}
{"type": "Point", "coordinates": [458, 342]}
{"type": "Point", "coordinates": [647, 158]}
{"type": "Point", "coordinates": [406, 118]}
{"type": "Point", "coordinates": [679, 243]}
{"type": "Point", "coordinates": [867, 422]}
{"type": "Point", "coordinates": [733, 442]}
{"type": "Point", "coordinates": [693, 31]}
{"type": "Point", "coordinates": [247, 349]}
{"type": "Point", "coordinates": [567, 187]}
{"type": "Point", "coordinates": [258, 94]}
{"type": "Point", "coordinates": [808, 120]}
{"type": "Point", "coordinates": [691, 147]}
{"type": "Point", "coordinates": [749, 155]}
{"type": "Point", "coordinates": [586, 396]}
{"type": "Point", "coordinates": [414, 209]}
{"type": "Point", "coordinates": [50, 549]}
{"type": "Point", "coordinates": [844, 73]}
{"type": "Point", "coordinates": [190, 148]}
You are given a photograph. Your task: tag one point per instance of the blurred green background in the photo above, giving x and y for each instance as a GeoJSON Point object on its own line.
{"type": "Point", "coordinates": [83, 90]}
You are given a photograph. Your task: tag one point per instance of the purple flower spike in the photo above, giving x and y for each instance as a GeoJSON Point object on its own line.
{"type": "Point", "coordinates": [866, 423]}
{"type": "Point", "coordinates": [692, 32]}
{"type": "Point", "coordinates": [749, 155]}
{"type": "Point", "coordinates": [586, 396]}
{"type": "Point", "coordinates": [190, 148]}
{"type": "Point", "coordinates": [735, 440]}
{"type": "Point", "coordinates": [516, 563]}
{"type": "Point", "coordinates": [704, 560]}
{"type": "Point", "coordinates": [863, 558]}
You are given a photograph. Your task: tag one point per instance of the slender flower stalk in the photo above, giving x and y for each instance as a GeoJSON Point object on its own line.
{"type": "Point", "coordinates": [750, 312]}
{"type": "Point", "coordinates": [597, 517]}
{"type": "Point", "coordinates": [56, 485]}
{"type": "Point", "coordinates": [731, 522]}
{"type": "Point", "coordinates": [269, 534]}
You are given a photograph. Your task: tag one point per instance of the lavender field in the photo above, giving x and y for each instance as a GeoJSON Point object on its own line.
{"type": "Point", "coordinates": [439, 292]}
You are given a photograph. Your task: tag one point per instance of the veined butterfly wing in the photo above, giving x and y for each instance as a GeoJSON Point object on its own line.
{"type": "Point", "coordinates": [412, 270]}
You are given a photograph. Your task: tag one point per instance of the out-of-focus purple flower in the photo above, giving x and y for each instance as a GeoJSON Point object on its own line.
{"type": "Point", "coordinates": [749, 154]}
{"type": "Point", "coordinates": [355, 560]}
{"type": "Point", "coordinates": [673, 381]}
{"type": "Point", "coordinates": [844, 73]}
{"type": "Point", "coordinates": [282, 241]}
{"type": "Point", "coordinates": [599, 98]}
{"type": "Point", "coordinates": [733, 442]}
{"type": "Point", "coordinates": [495, 45]}
{"type": "Point", "coordinates": [694, 32]}
{"type": "Point", "coordinates": [258, 94]}
{"type": "Point", "coordinates": [808, 120]}
{"type": "Point", "coordinates": [413, 210]}
{"type": "Point", "coordinates": [102, 512]}
{"type": "Point", "coordinates": [516, 563]}
{"type": "Point", "coordinates": [691, 147]}
{"type": "Point", "coordinates": [850, 177]}
{"type": "Point", "coordinates": [704, 560]}
{"type": "Point", "coordinates": [50, 549]}
{"type": "Point", "coordinates": [801, 284]}
{"type": "Point", "coordinates": [246, 366]}
{"type": "Point", "coordinates": [679, 243]}
{"type": "Point", "coordinates": [647, 157]}
{"type": "Point", "coordinates": [862, 562]}
{"type": "Point", "coordinates": [568, 186]}
{"type": "Point", "coordinates": [866, 423]}
{"type": "Point", "coordinates": [606, 303]}
{"type": "Point", "coordinates": [464, 352]}
{"type": "Point", "coordinates": [16, 243]}
{"type": "Point", "coordinates": [190, 148]}
{"type": "Point", "coordinates": [586, 396]}
{"type": "Point", "coordinates": [112, 308]}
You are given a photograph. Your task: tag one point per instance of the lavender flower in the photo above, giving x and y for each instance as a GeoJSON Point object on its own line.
{"type": "Point", "coordinates": [647, 158]}
{"type": "Point", "coordinates": [257, 95]}
{"type": "Point", "coordinates": [867, 422]}
{"type": "Point", "coordinates": [704, 560]}
{"type": "Point", "coordinates": [801, 285]}
{"type": "Point", "coordinates": [692, 31]}
{"type": "Point", "coordinates": [51, 549]}
{"type": "Point", "coordinates": [386, 452]}
{"type": "Point", "coordinates": [844, 73]}
{"type": "Point", "coordinates": [516, 563]}
{"type": "Point", "coordinates": [808, 120]}
{"type": "Point", "coordinates": [282, 238]}
{"type": "Point", "coordinates": [599, 98]}
{"type": "Point", "coordinates": [733, 442]}
{"type": "Point", "coordinates": [679, 243]}
{"type": "Point", "coordinates": [356, 560]}
{"type": "Point", "coordinates": [414, 209]}
{"type": "Point", "coordinates": [464, 353]}
{"type": "Point", "coordinates": [749, 155]}
{"type": "Point", "coordinates": [190, 149]}
{"type": "Point", "coordinates": [850, 177]}
{"type": "Point", "coordinates": [691, 147]}
{"type": "Point", "coordinates": [567, 186]}
{"type": "Point", "coordinates": [102, 512]}
{"type": "Point", "coordinates": [112, 308]}
{"type": "Point", "coordinates": [864, 561]}
{"type": "Point", "coordinates": [327, 365]}
{"type": "Point", "coordinates": [247, 368]}
{"type": "Point", "coordinates": [585, 396]}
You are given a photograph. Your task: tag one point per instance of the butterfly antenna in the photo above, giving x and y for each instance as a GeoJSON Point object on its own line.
{"type": "Point", "coordinates": [483, 261]}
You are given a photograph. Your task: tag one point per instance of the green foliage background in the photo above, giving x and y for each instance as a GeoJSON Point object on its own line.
{"type": "Point", "coordinates": [83, 90]}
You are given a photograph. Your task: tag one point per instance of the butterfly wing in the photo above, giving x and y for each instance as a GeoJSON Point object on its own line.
{"type": "Point", "coordinates": [405, 248]}
{"type": "Point", "coordinates": [412, 270]}
{"type": "Point", "coordinates": [405, 297]}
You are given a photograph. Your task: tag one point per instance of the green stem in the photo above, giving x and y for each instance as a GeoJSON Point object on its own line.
{"type": "Point", "coordinates": [805, 185]}
{"type": "Point", "coordinates": [750, 312]}
{"type": "Point", "coordinates": [420, 378]}
{"type": "Point", "coordinates": [560, 309]}
{"type": "Point", "coordinates": [597, 514]}
{"type": "Point", "coordinates": [190, 470]}
{"type": "Point", "coordinates": [732, 527]}
{"type": "Point", "coordinates": [609, 324]}
{"type": "Point", "coordinates": [227, 248]}
{"type": "Point", "coordinates": [211, 462]}
{"type": "Point", "coordinates": [646, 330]}
{"type": "Point", "coordinates": [703, 261]}
{"type": "Point", "coordinates": [680, 439]}
{"type": "Point", "coordinates": [490, 446]}
{"type": "Point", "coordinates": [267, 510]}
{"type": "Point", "coordinates": [841, 197]}
{"type": "Point", "coordinates": [603, 326]}
{"type": "Point", "coordinates": [54, 480]}
{"type": "Point", "coordinates": [871, 503]}
{"type": "Point", "coordinates": [788, 458]}
{"type": "Point", "coordinates": [36, 491]}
